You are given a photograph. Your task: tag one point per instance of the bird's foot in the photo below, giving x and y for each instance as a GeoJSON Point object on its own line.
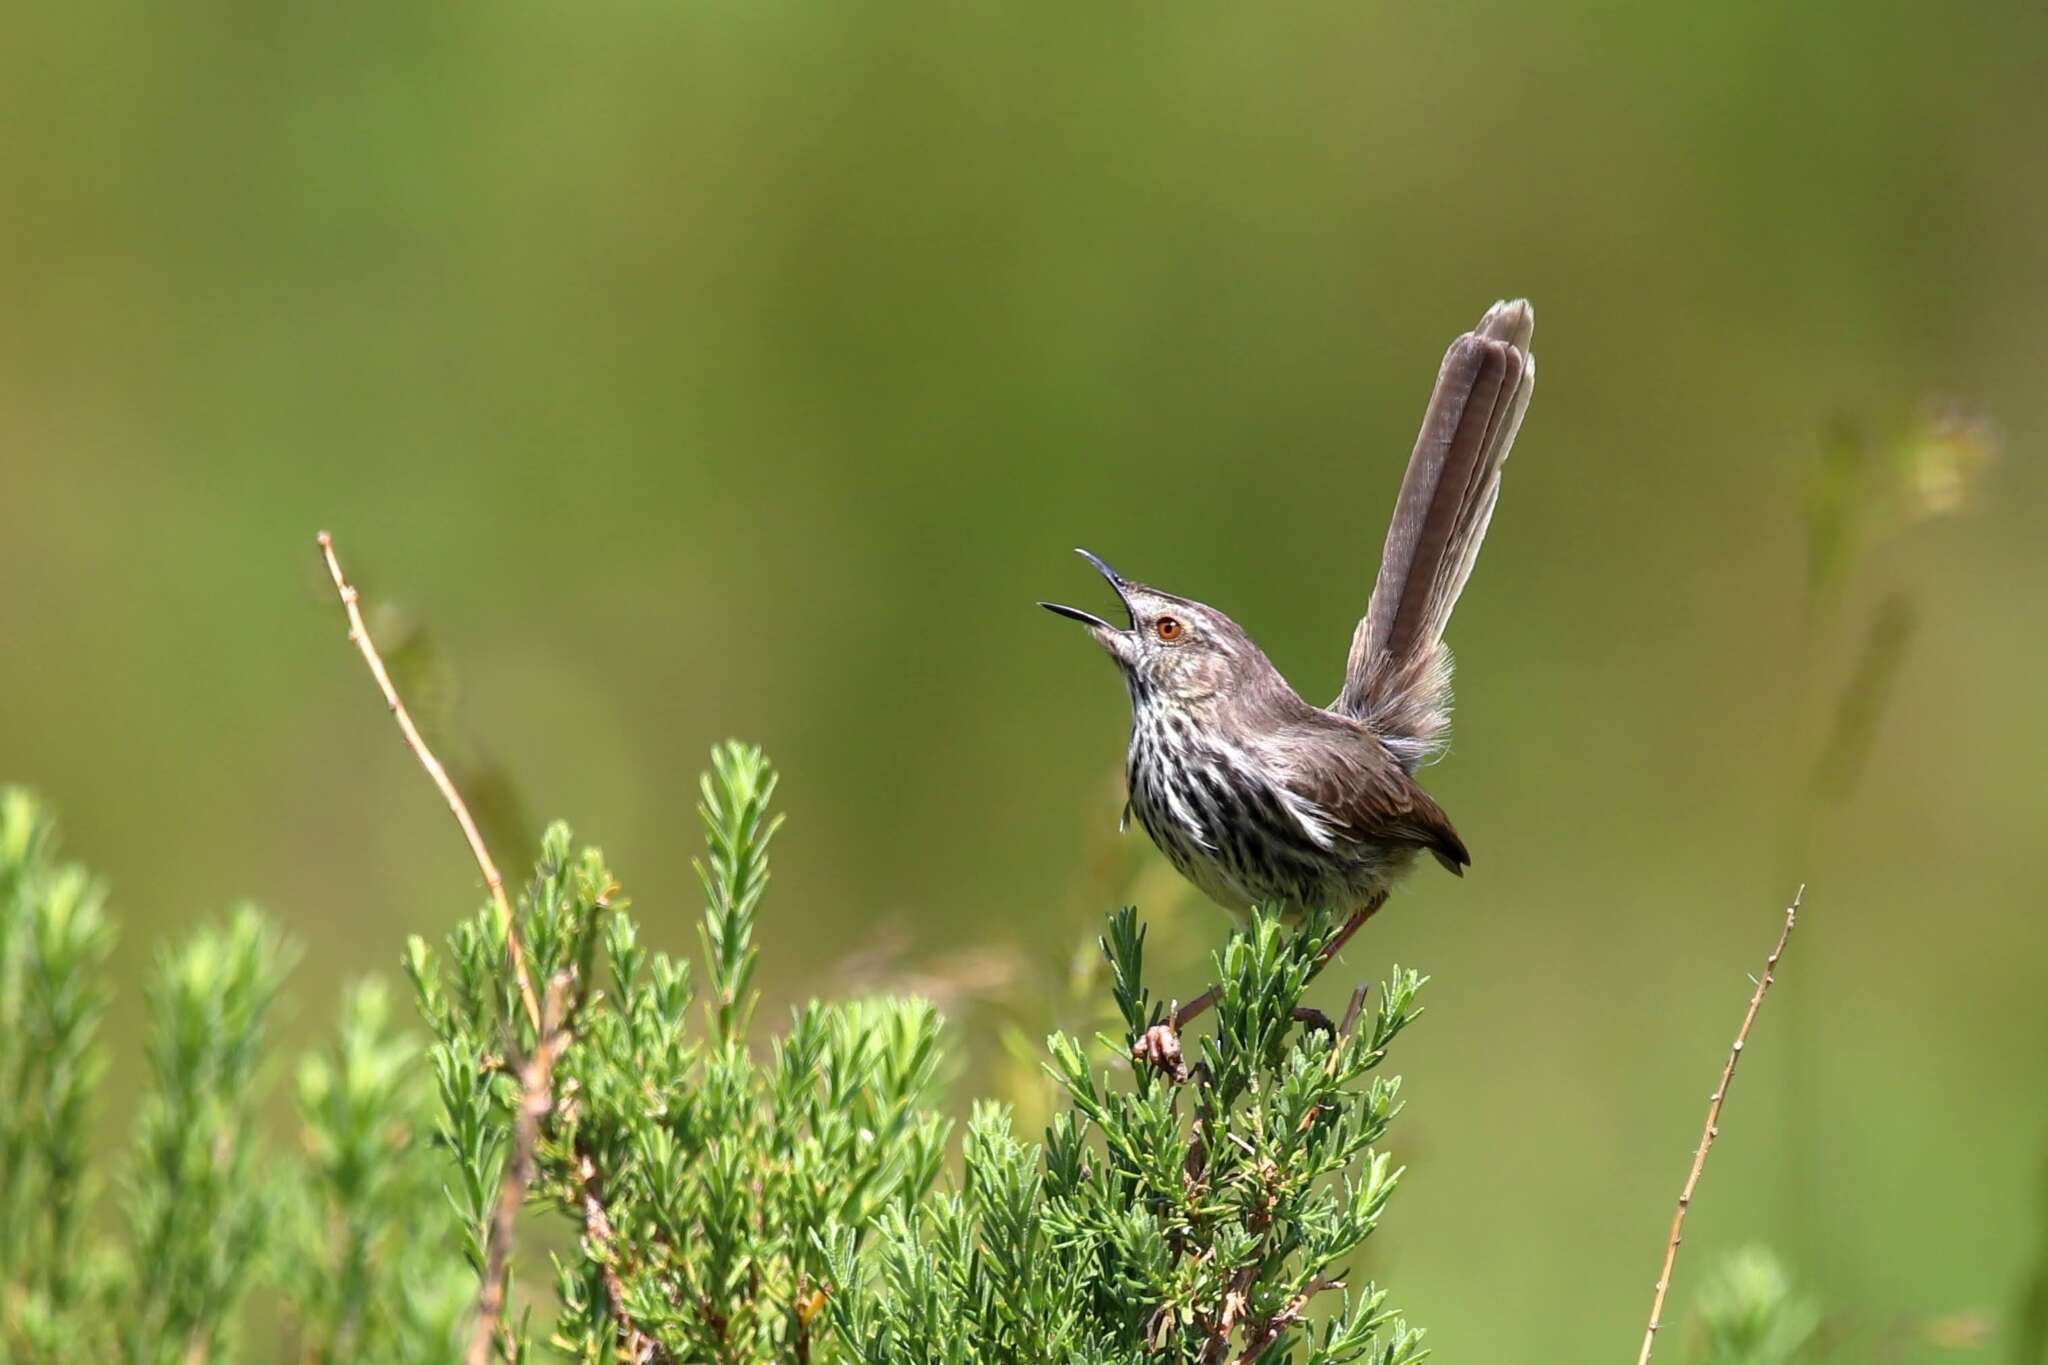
{"type": "Point", "coordinates": [1159, 1048]}
{"type": "Point", "coordinates": [1315, 1019]}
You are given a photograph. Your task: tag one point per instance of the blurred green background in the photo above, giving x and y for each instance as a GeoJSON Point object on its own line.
{"type": "Point", "coordinates": [687, 370]}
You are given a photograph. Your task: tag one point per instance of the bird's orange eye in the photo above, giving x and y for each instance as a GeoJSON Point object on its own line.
{"type": "Point", "coordinates": [1168, 628]}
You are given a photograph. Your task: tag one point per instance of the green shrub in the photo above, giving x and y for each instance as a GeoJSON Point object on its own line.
{"type": "Point", "coordinates": [719, 1199]}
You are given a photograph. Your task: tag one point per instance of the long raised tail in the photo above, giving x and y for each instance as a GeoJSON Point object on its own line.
{"type": "Point", "coordinates": [1398, 678]}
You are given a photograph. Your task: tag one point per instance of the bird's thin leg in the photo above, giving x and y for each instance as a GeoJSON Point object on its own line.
{"type": "Point", "coordinates": [1194, 1008]}
{"type": "Point", "coordinates": [1351, 926]}
{"type": "Point", "coordinates": [1160, 1045]}
{"type": "Point", "coordinates": [1314, 1020]}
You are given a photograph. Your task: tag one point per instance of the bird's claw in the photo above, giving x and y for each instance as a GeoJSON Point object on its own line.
{"type": "Point", "coordinates": [1314, 1019]}
{"type": "Point", "coordinates": [1159, 1047]}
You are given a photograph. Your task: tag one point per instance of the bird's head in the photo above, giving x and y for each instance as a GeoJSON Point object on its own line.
{"type": "Point", "coordinates": [1174, 649]}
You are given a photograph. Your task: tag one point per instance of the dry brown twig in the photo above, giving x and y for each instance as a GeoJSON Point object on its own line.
{"type": "Point", "coordinates": [1712, 1129]}
{"type": "Point", "coordinates": [536, 1073]}
{"type": "Point", "coordinates": [359, 635]}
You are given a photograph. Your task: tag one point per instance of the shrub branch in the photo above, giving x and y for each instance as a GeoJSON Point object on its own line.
{"type": "Point", "coordinates": [536, 1072]}
{"type": "Point", "coordinates": [597, 1230]}
{"type": "Point", "coordinates": [536, 1102]}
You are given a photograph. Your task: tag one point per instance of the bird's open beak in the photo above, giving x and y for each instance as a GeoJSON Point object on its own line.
{"type": "Point", "coordinates": [1105, 634]}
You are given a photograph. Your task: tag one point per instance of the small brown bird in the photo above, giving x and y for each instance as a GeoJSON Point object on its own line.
{"type": "Point", "coordinates": [1251, 792]}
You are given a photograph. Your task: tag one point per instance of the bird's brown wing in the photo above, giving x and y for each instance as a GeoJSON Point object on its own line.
{"type": "Point", "coordinates": [1367, 795]}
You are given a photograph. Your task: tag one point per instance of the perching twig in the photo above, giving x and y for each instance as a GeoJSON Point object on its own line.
{"type": "Point", "coordinates": [360, 635]}
{"type": "Point", "coordinates": [1352, 1011]}
{"type": "Point", "coordinates": [1713, 1128]}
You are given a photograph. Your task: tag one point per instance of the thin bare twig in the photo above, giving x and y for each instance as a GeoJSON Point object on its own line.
{"type": "Point", "coordinates": [1712, 1129]}
{"type": "Point", "coordinates": [1353, 1010]}
{"type": "Point", "coordinates": [359, 634]}
{"type": "Point", "coordinates": [537, 1072]}
{"type": "Point", "coordinates": [1344, 1030]}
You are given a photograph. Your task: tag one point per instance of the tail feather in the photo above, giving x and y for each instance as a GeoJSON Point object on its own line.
{"type": "Point", "coordinates": [1398, 678]}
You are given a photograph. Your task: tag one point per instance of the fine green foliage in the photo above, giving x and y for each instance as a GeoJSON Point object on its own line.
{"type": "Point", "coordinates": [701, 1194]}
{"type": "Point", "coordinates": [1142, 1233]}
{"type": "Point", "coordinates": [1207, 1217]}
{"type": "Point", "coordinates": [364, 1283]}
{"type": "Point", "coordinates": [346, 1245]}
{"type": "Point", "coordinates": [54, 941]}
{"type": "Point", "coordinates": [738, 1208]}
{"type": "Point", "coordinates": [702, 1180]}
{"type": "Point", "coordinates": [198, 1210]}
{"type": "Point", "coordinates": [1751, 1315]}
